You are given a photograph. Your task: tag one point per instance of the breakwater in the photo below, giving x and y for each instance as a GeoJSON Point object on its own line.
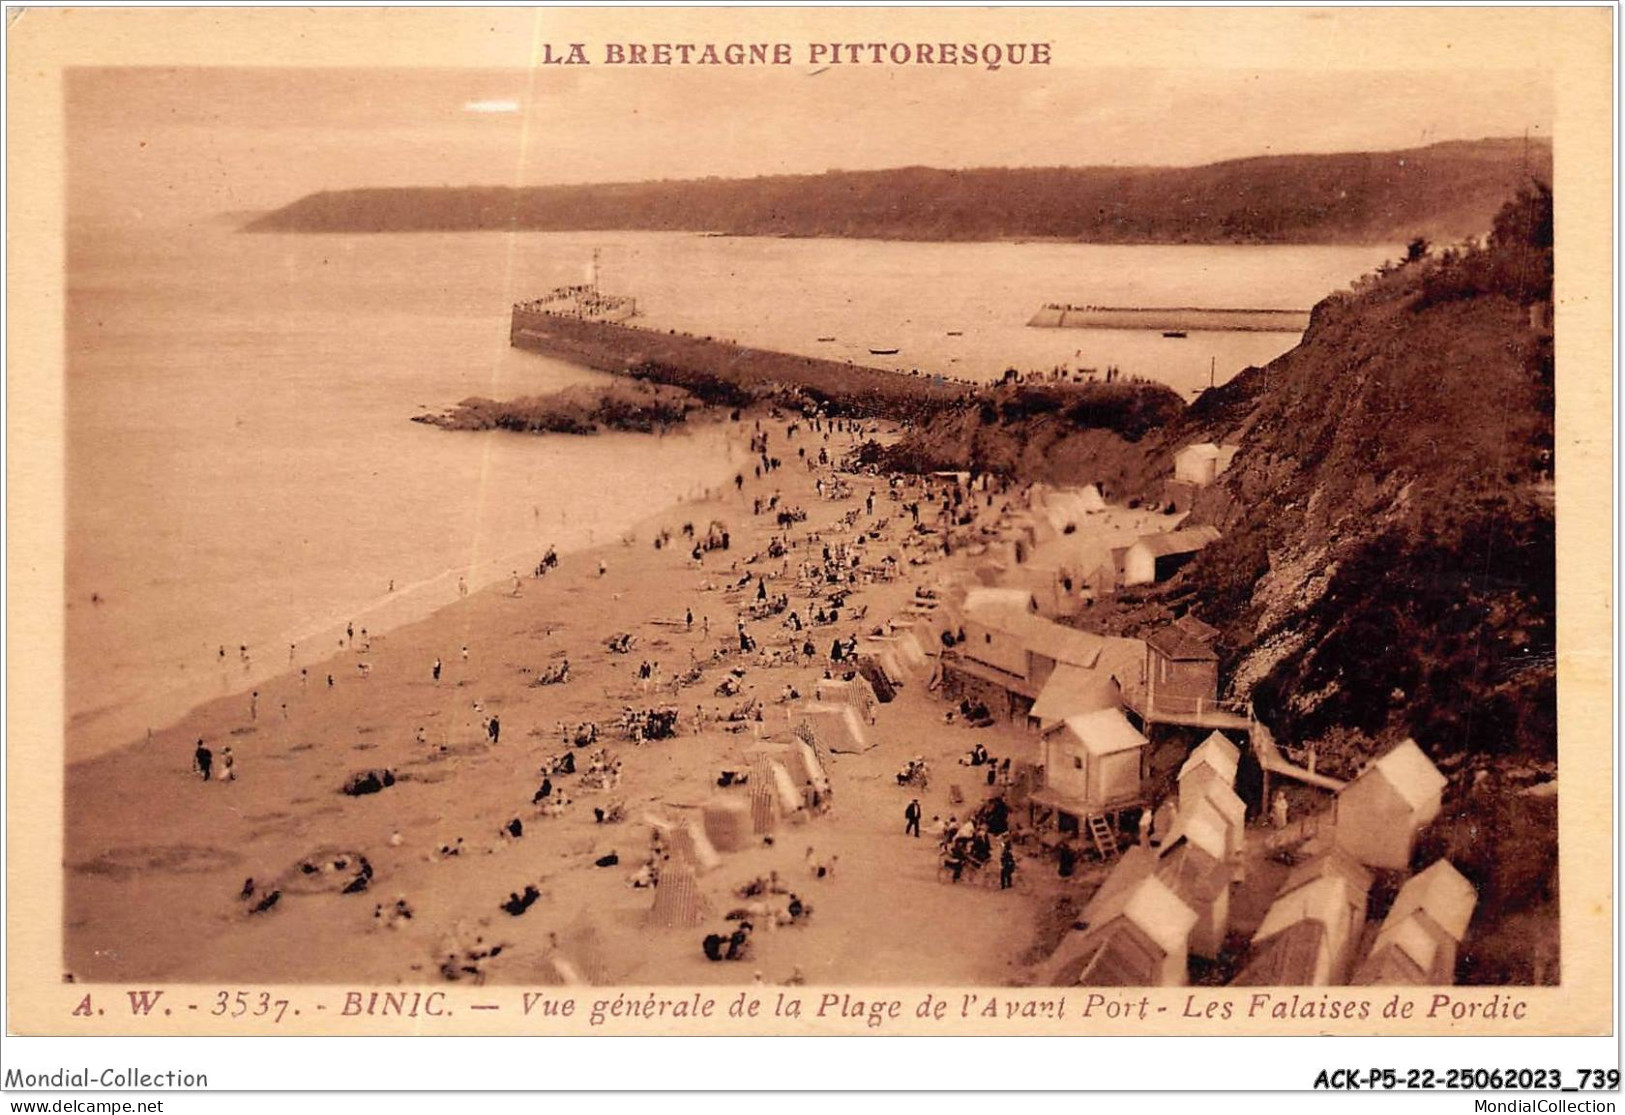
{"type": "Point", "coordinates": [1060, 316]}
{"type": "Point", "coordinates": [724, 372]}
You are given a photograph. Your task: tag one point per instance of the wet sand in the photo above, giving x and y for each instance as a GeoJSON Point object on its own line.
{"type": "Point", "coordinates": [156, 859]}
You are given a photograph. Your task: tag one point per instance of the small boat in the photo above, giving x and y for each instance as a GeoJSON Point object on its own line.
{"type": "Point", "coordinates": [882, 352]}
{"type": "Point", "coordinates": [956, 332]}
{"type": "Point", "coordinates": [825, 340]}
{"type": "Point", "coordinates": [1176, 333]}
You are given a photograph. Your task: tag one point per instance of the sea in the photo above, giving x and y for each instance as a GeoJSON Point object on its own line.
{"type": "Point", "coordinates": [242, 471]}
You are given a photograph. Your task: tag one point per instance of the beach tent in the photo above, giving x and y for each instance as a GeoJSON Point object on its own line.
{"type": "Point", "coordinates": [578, 957]}
{"type": "Point", "coordinates": [857, 694]}
{"type": "Point", "coordinates": [764, 806]}
{"type": "Point", "coordinates": [1065, 511]}
{"type": "Point", "coordinates": [678, 902]}
{"type": "Point", "coordinates": [833, 728]}
{"type": "Point", "coordinates": [696, 846]}
{"type": "Point", "coordinates": [728, 823]}
{"type": "Point", "coordinates": [880, 664]}
{"type": "Point", "coordinates": [689, 842]}
{"type": "Point", "coordinates": [984, 598]}
{"type": "Point", "coordinates": [1382, 810]}
{"type": "Point", "coordinates": [770, 774]}
{"type": "Point", "coordinates": [911, 653]}
{"type": "Point", "coordinates": [809, 767]}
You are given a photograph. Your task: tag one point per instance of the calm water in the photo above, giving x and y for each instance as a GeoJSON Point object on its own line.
{"type": "Point", "coordinates": [241, 468]}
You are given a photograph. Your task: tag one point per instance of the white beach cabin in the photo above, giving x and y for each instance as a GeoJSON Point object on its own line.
{"type": "Point", "coordinates": [1382, 810]}
{"type": "Point", "coordinates": [1417, 943]}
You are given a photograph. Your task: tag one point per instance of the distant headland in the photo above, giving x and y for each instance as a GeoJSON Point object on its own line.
{"type": "Point", "coordinates": [1445, 192]}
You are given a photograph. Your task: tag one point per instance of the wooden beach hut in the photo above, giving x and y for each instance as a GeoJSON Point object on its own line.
{"type": "Point", "coordinates": [1380, 813]}
{"type": "Point", "coordinates": [1418, 940]}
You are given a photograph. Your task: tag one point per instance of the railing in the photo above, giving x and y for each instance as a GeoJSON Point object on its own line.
{"type": "Point", "coordinates": [1153, 705]}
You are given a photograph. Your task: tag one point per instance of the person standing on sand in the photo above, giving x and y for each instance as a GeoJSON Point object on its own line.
{"type": "Point", "coordinates": [495, 729]}
{"type": "Point", "coordinates": [228, 767]}
{"type": "Point", "coordinates": [254, 706]}
{"type": "Point", "coordinates": [202, 759]}
{"type": "Point", "coordinates": [1007, 867]}
{"type": "Point", "coordinates": [291, 647]}
{"type": "Point", "coordinates": [462, 587]}
{"type": "Point", "coordinates": [349, 633]}
{"type": "Point", "coordinates": [911, 819]}
{"type": "Point", "coordinates": [329, 681]}
{"type": "Point", "coordinates": [465, 654]}
{"type": "Point", "coordinates": [436, 671]}
{"type": "Point", "coordinates": [688, 619]}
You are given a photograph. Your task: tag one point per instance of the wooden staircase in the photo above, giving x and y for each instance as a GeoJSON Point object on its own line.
{"type": "Point", "coordinates": [1105, 839]}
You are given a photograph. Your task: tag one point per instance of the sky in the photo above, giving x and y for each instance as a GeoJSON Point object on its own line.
{"type": "Point", "coordinates": [166, 141]}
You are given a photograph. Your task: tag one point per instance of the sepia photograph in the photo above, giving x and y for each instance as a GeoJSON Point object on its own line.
{"type": "Point", "coordinates": [796, 507]}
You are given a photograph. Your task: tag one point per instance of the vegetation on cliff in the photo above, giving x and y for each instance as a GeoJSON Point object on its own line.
{"type": "Point", "coordinates": [621, 405]}
{"type": "Point", "coordinates": [1387, 566]}
{"type": "Point", "coordinates": [1445, 191]}
{"type": "Point", "coordinates": [1060, 433]}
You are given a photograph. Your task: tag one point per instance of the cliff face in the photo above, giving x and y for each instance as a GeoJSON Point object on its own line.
{"type": "Point", "coordinates": [1445, 191]}
{"type": "Point", "coordinates": [1388, 560]}
{"type": "Point", "coordinates": [1387, 565]}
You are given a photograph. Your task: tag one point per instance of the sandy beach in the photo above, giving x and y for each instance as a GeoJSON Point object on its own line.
{"type": "Point", "coordinates": [158, 860]}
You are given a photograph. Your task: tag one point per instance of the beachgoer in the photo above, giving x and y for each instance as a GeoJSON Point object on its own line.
{"type": "Point", "coordinates": [349, 633]}
{"type": "Point", "coordinates": [688, 619]}
{"type": "Point", "coordinates": [228, 768]}
{"type": "Point", "coordinates": [202, 759]}
{"type": "Point", "coordinates": [437, 670]}
{"type": "Point", "coordinates": [911, 819]}
{"type": "Point", "coordinates": [1279, 809]}
{"type": "Point", "coordinates": [329, 681]}
{"type": "Point", "coordinates": [465, 653]}
{"type": "Point", "coordinates": [254, 705]}
{"type": "Point", "coordinates": [304, 677]}
{"type": "Point", "coordinates": [462, 587]}
{"type": "Point", "coordinates": [1007, 867]}
{"type": "Point", "coordinates": [495, 729]}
